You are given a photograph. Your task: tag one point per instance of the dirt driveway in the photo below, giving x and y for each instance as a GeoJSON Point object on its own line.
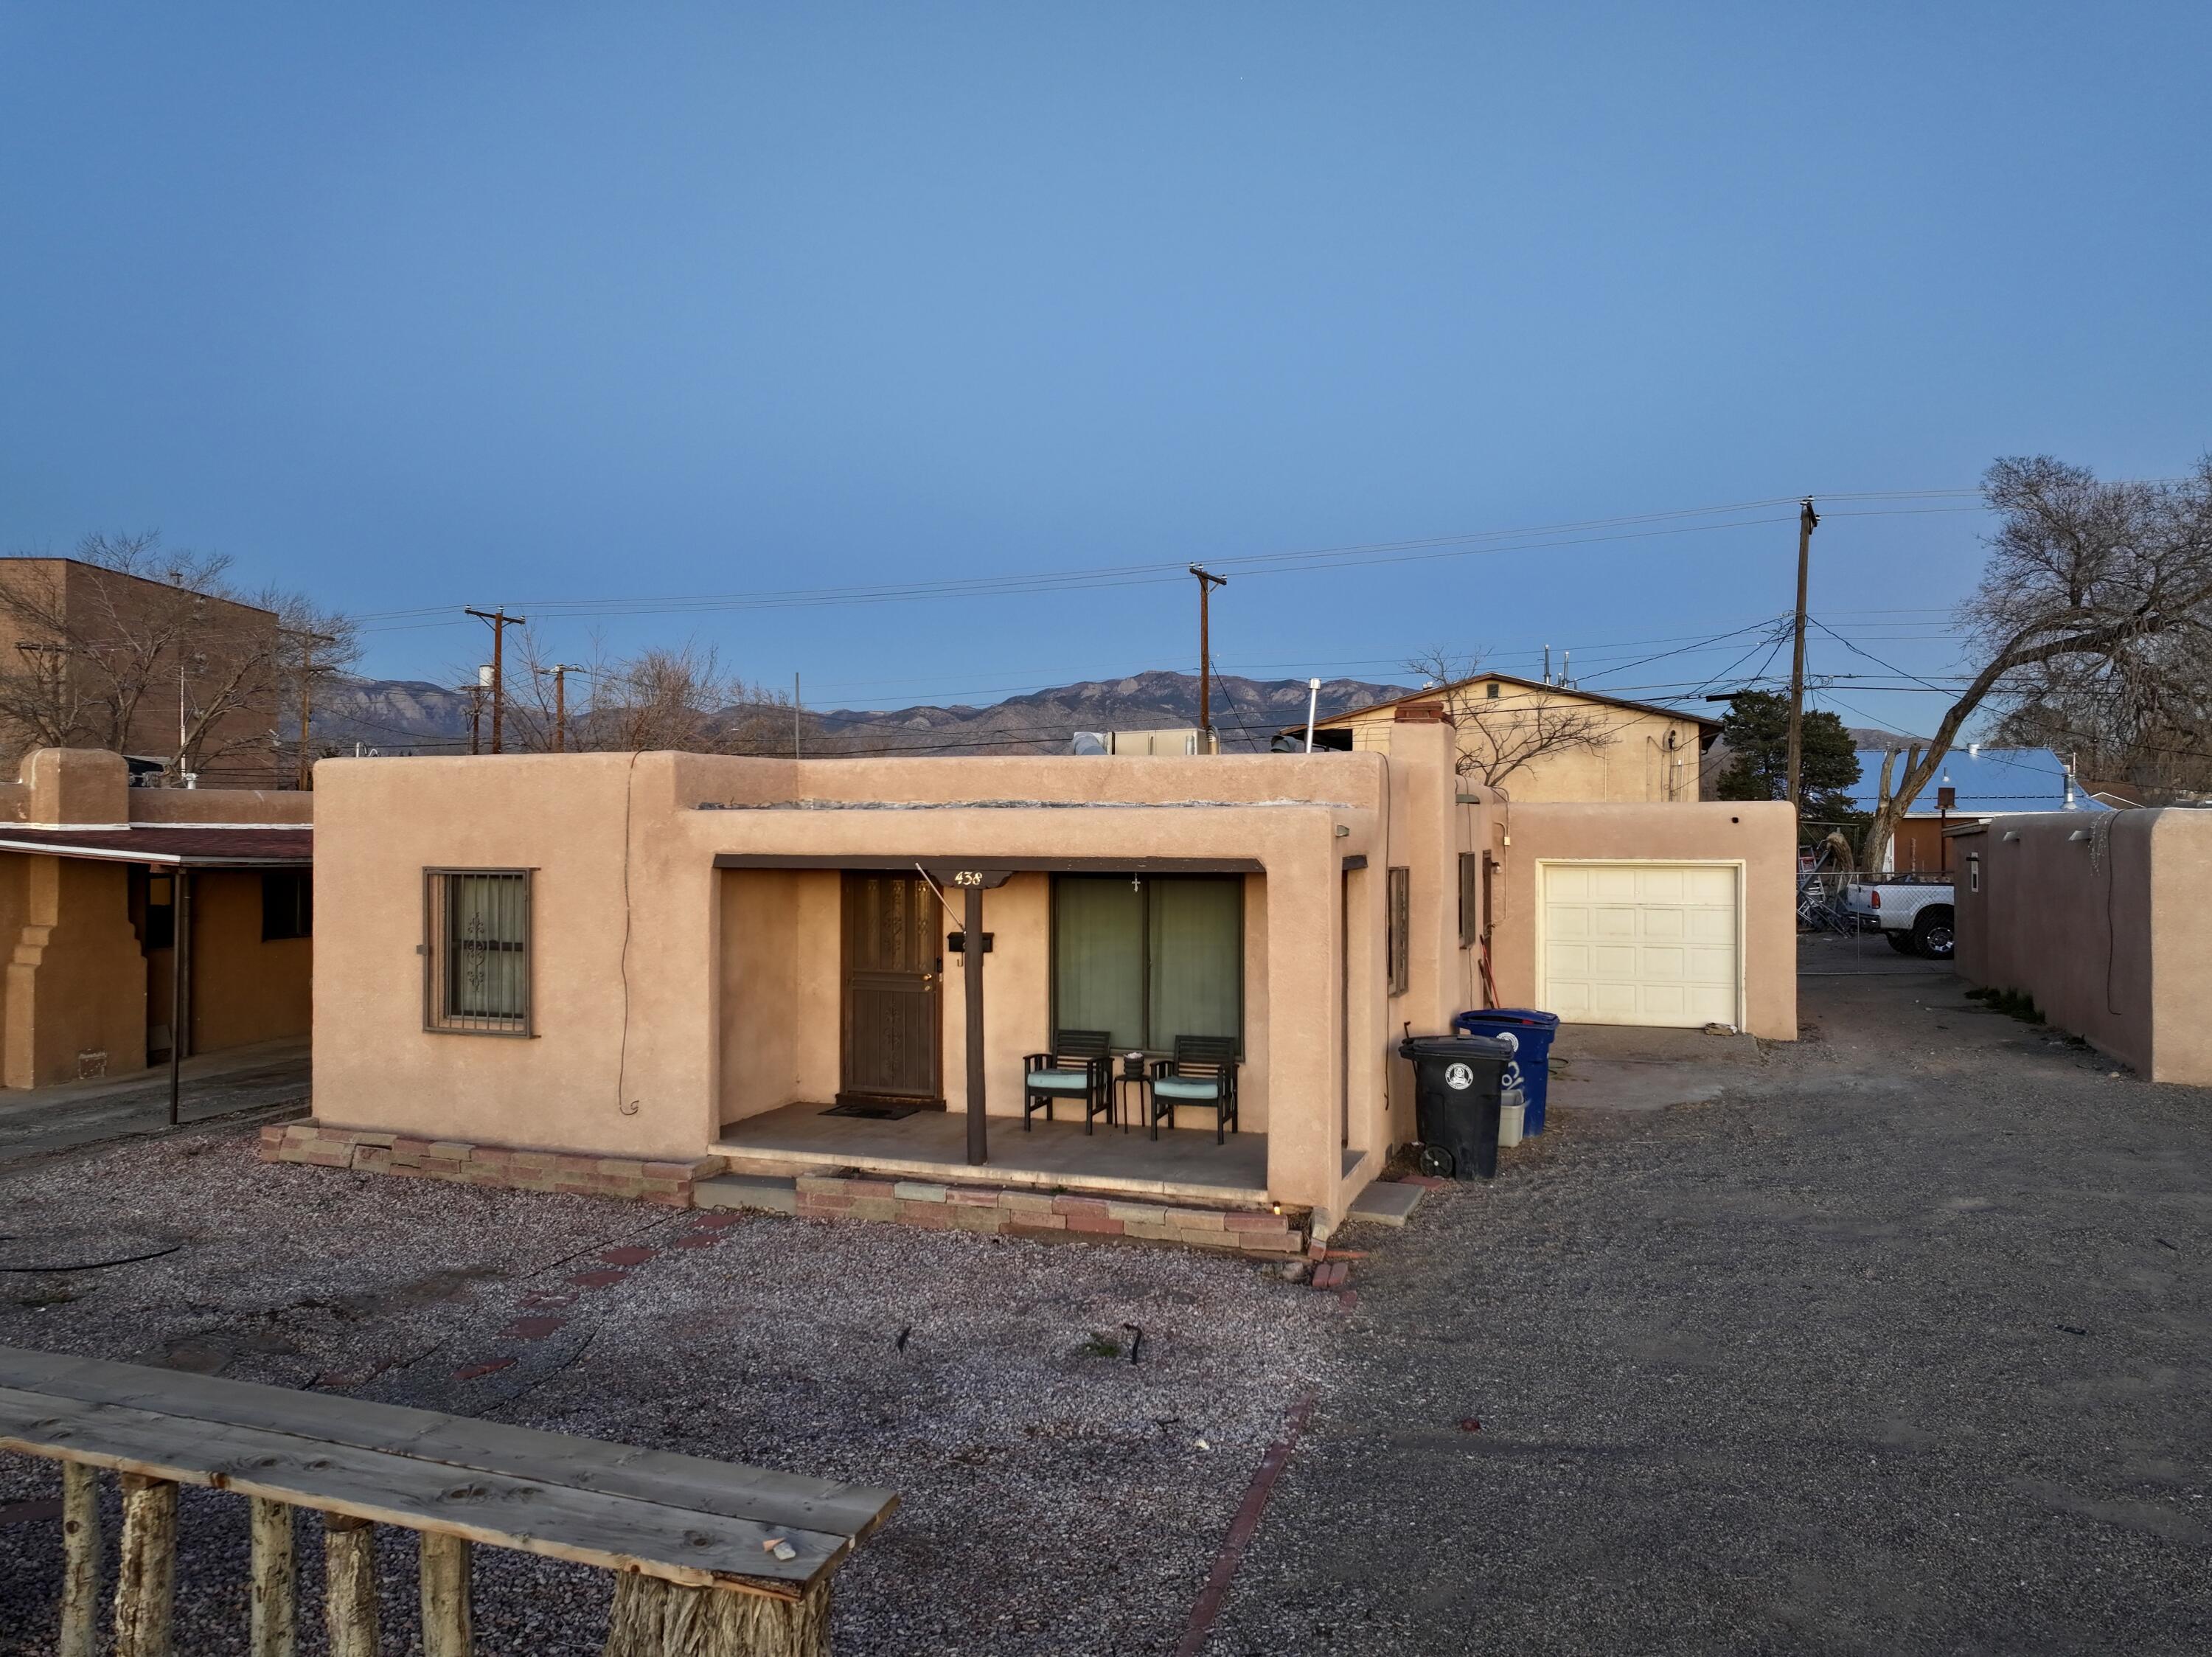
{"type": "Point", "coordinates": [1902, 1342]}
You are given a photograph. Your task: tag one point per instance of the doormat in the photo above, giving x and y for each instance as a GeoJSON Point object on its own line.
{"type": "Point", "coordinates": [874, 1112]}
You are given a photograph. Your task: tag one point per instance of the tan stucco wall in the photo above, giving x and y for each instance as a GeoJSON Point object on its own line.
{"type": "Point", "coordinates": [1636, 763]}
{"type": "Point", "coordinates": [251, 807]}
{"type": "Point", "coordinates": [1761, 835]}
{"type": "Point", "coordinates": [2106, 933]}
{"type": "Point", "coordinates": [76, 981]}
{"type": "Point", "coordinates": [243, 990]}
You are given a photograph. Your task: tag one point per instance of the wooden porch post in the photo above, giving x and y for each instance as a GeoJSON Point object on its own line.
{"type": "Point", "coordinates": [971, 967]}
{"type": "Point", "coordinates": [180, 1006]}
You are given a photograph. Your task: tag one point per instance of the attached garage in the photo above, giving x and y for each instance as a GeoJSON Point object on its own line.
{"type": "Point", "coordinates": [1641, 942]}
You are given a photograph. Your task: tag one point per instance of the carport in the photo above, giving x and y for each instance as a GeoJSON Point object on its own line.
{"type": "Point", "coordinates": [220, 918]}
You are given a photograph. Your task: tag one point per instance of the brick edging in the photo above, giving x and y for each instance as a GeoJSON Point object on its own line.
{"type": "Point", "coordinates": [1019, 1213]}
{"type": "Point", "coordinates": [460, 1162]}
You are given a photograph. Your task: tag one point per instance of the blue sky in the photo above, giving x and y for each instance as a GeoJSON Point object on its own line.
{"type": "Point", "coordinates": [420, 306]}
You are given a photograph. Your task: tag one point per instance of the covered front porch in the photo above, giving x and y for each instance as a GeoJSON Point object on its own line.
{"type": "Point", "coordinates": [863, 1033]}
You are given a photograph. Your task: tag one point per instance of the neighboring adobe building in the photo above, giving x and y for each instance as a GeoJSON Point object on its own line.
{"type": "Point", "coordinates": [92, 657]}
{"type": "Point", "coordinates": [93, 877]}
{"type": "Point", "coordinates": [628, 971]}
{"type": "Point", "coordinates": [2100, 919]}
{"type": "Point", "coordinates": [1633, 750]}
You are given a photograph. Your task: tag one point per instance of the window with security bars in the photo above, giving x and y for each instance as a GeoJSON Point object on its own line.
{"type": "Point", "coordinates": [477, 980]}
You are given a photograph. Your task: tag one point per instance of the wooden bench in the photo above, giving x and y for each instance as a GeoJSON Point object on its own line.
{"type": "Point", "coordinates": [712, 1559]}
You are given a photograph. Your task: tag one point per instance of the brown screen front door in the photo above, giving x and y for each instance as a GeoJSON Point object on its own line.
{"type": "Point", "coordinates": [891, 1019]}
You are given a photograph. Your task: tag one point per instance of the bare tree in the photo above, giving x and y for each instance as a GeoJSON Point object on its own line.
{"type": "Point", "coordinates": [1500, 735]}
{"type": "Point", "coordinates": [136, 647]}
{"type": "Point", "coordinates": [2092, 589]}
{"type": "Point", "coordinates": [2145, 721]}
{"type": "Point", "coordinates": [662, 697]}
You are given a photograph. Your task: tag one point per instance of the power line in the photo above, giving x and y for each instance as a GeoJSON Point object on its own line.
{"type": "Point", "coordinates": [1463, 545]}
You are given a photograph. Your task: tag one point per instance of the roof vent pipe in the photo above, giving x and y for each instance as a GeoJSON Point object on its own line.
{"type": "Point", "coordinates": [1313, 705]}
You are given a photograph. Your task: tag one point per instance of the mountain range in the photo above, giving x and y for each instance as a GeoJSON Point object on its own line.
{"type": "Point", "coordinates": [415, 716]}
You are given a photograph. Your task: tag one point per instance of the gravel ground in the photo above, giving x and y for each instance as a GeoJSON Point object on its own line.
{"type": "Point", "coordinates": [1056, 1499]}
{"type": "Point", "coordinates": [1905, 1344]}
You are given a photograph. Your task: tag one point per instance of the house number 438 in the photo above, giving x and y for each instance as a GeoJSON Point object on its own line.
{"type": "Point", "coordinates": [967, 877]}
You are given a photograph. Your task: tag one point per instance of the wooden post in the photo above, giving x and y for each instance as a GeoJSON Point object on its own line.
{"type": "Point", "coordinates": [80, 1630]}
{"type": "Point", "coordinates": [971, 967]}
{"type": "Point", "coordinates": [350, 1585]}
{"type": "Point", "coordinates": [1794, 763]}
{"type": "Point", "coordinates": [653, 1618]}
{"type": "Point", "coordinates": [276, 1581]}
{"type": "Point", "coordinates": [448, 1617]}
{"type": "Point", "coordinates": [180, 1006]}
{"type": "Point", "coordinates": [146, 1571]}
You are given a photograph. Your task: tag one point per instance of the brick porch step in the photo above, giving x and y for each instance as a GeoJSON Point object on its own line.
{"type": "Point", "coordinates": [1009, 1211]}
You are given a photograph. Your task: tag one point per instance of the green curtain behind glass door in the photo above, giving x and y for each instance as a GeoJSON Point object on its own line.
{"type": "Point", "coordinates": [1198, 945]}
{"type": "Point", "coordinates": [1098, 957]}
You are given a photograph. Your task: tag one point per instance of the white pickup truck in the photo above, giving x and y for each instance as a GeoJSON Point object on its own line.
{"type": "Point", "coordinates": [1913, 912]}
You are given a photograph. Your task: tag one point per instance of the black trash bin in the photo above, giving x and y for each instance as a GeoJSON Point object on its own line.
{"type": "Point", "coordinates": [1458, 1083]}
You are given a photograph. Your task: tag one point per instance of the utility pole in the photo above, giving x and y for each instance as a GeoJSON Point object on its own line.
{"type": "Point", "coordinates": [561, 672]}
{"type": "Point", "coordinates": [1207, 582]}
{"type": "Point", "coordinates": [501, 621]}
{"type": "Point", "coordinates": [1807, 519]}
{"type": "Point", "coordinates": [308, 640]}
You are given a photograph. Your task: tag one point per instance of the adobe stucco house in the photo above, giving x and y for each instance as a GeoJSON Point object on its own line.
{"type": "Point", "coordinates": [1636, 751]}
{"type": "Point", "coordinates": [94, 875]}
{"type": "Point", "coordinates": [628, 972]}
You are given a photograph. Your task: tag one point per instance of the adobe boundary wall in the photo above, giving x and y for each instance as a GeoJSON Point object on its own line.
{"type": "Point", "coordinates": [2100, 918]}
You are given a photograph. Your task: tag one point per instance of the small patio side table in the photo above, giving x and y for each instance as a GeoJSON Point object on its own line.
{"type": "Point", "coordinates": [1134, 1071]}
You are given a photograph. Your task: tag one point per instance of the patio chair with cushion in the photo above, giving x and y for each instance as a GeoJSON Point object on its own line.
{"type": "Point", "coordinates": [1203, 1073]}
{"type": "Point", "coordinates": [1078, 1067]}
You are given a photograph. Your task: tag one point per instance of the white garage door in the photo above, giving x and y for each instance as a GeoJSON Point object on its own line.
{"type": "Point", "coordinates": [1640, 943]}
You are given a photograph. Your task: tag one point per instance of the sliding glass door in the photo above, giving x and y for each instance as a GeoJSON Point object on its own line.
{"type": "Point", "coordinates": [1149, 958]}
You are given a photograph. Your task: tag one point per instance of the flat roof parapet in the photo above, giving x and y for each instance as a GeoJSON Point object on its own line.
{"type": "Point", "coordinates": [1013, 805]}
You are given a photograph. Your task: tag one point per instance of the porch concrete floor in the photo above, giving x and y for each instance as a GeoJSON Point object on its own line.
{"type": "Point", "coordinates": [1184, 1162]}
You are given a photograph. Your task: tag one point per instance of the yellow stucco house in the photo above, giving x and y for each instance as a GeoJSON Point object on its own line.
{"type": "Point", "coordinates": [1545, 743]}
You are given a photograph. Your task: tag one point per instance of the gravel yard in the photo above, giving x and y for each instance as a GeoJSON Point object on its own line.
{"type": "Point", "coordinates": [1056, 1498]}
{"type": "Point", "coordinates": [1899, 1340]}
{"type": "Point", "coordinates": [1903, 1343]}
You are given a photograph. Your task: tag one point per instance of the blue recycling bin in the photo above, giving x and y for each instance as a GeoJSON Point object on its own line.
{"type": "Point", "coordinates": [1531, 1071]}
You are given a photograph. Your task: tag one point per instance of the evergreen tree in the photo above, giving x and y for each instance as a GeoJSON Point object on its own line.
{"type": "Point", "coordinates": [1757, 733]}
